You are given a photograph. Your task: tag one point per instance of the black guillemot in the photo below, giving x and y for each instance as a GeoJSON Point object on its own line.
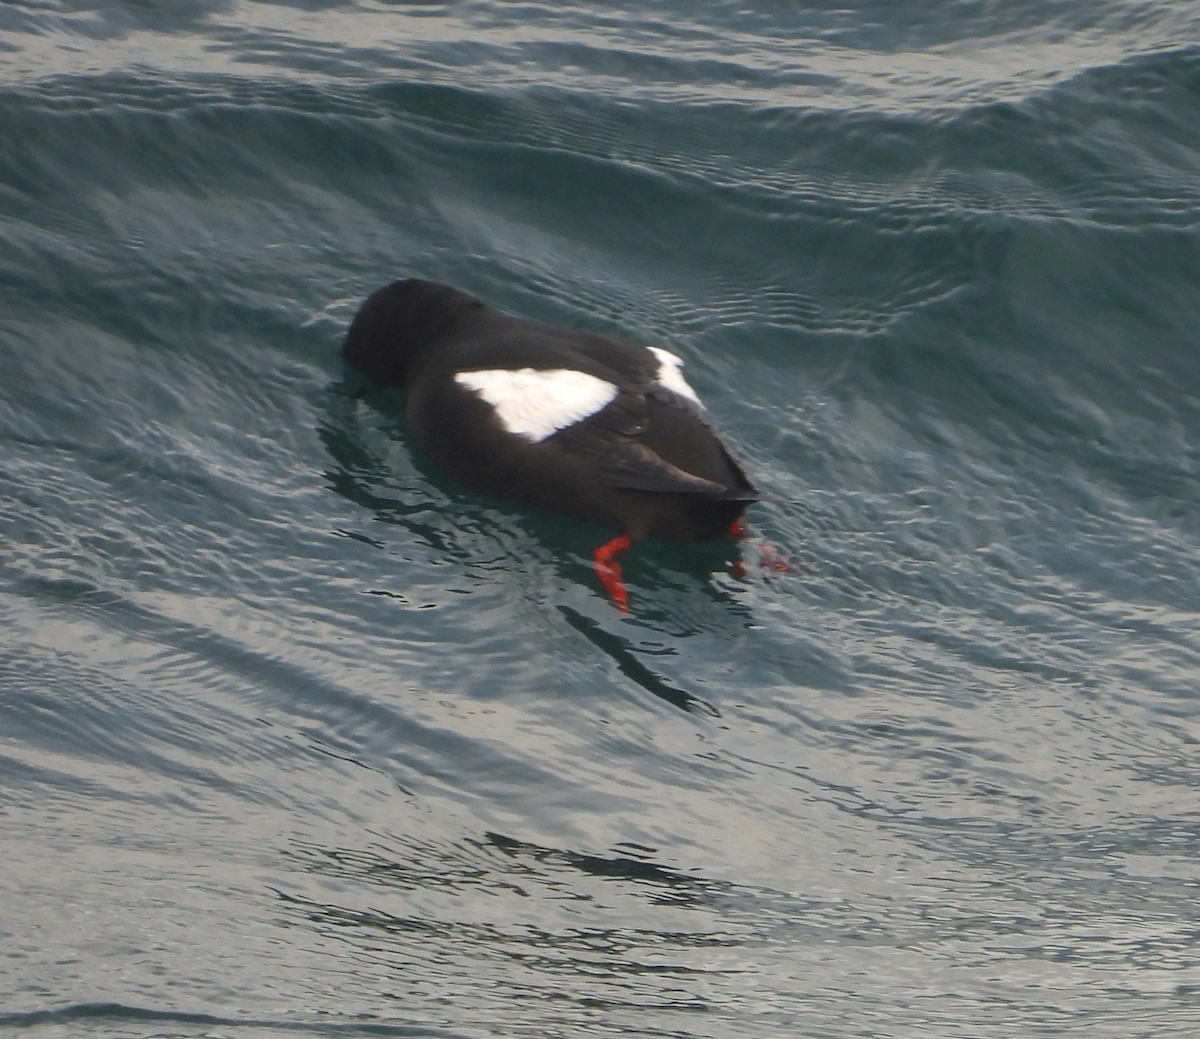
{"type": "Point", "coordinates": [588, 425]}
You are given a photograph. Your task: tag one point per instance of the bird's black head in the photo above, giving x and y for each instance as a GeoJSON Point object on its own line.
{"type": "Point", "coordinates": [397, 323]}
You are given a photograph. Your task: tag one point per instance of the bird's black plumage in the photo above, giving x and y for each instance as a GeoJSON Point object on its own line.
{"type": "Point", "coordinates": [647, 461]}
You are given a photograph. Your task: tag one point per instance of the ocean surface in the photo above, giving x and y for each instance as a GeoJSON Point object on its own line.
{"type": "Point", "coordinates": [297, 739]}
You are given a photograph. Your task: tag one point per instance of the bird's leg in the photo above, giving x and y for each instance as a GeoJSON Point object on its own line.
{"type": "Point", "coordinates": [769, 557]}
{"type": "Point", "coordinates": [609, 570]}
{"type": "Point", "coordinates": [738, 529]}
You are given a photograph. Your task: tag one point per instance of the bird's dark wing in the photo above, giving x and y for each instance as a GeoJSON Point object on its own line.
{"type": "Point", "coordinates": [634, 467]}
{"type": "Point", "coordinates": [625, 443]}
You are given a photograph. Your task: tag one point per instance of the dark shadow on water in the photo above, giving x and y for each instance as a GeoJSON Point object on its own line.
{"type": "Point", "coordinates": [622, 654]}
{"type": "Point", "coordinates": [123, 1019]}
{"type": "Point", "coordinates": [636, 866]}
{"type": "Point", "coordinates": [496, 863]}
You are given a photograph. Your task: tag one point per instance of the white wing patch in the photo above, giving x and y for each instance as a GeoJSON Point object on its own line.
{"type": "Point", "coordinates": [670, 374]}
{"type": "Point", "coordinates": [536, 404]}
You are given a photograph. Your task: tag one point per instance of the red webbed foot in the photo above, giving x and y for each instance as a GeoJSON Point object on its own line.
{"type": "Point", "coordinates": [769, 557]}
{"type": "Point", "coordinates": [609, 570]}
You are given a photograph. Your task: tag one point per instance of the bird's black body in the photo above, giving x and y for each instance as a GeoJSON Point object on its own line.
{"type": "Point", "coordinates": [645, 459]}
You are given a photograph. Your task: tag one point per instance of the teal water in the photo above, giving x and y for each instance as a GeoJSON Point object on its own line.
{"type": "Point", "coordinates": [296, 738]}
